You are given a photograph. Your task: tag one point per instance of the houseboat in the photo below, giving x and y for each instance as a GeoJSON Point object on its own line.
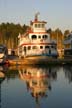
{"type": "Point", "coordinates": [36, 42]}
{"type": "Point", "coordinates": [68, 45]}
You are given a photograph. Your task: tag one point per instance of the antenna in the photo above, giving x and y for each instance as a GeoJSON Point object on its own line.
{"type": "Point", "coordinates": [36, 16]}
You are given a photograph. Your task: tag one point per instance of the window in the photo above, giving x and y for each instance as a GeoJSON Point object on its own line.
{"type": "Point", "coordinates": [34, 36]}
{"type": "Point", "coordinates": [45, 36]}
{"type": "Point", "coordinates": [24, 48]}
{"type": "Point", "coordinates": [39, 36]}
{"type": "Point", "coordinates": [1, 50]}
{"type": "Point", "coordinates": [53, 47]}
{"type": "Point", "coordinates": [42, 25]}
{"type": "Point", "coordinates": [29, 47]}
{"type": "Point", "coordinates": [35, 25]}
{"type": "Point", "coordinates": [38, 25]}
{"type": "Point", "coordinates": [34, 47]}
{"type": "Point", "coordinates": [41, 47]}
{"type": "Point", "coordinates": [46, 46]}
{"type": "Point", "coordinates": [20, 49]}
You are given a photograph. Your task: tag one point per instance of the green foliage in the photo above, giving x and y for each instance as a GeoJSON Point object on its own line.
{"type": "Point", "coordinates": [66, 33]}
{"type": "Point", "coordinates": [9, 33]}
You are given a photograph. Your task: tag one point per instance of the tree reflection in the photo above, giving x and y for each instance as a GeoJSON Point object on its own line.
{"type": "Point", "coordinates": [68, 72]}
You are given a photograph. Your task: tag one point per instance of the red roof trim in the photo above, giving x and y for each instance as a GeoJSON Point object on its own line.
{"type": "Point", "coordinates": [35, 44]}
{"type": "Point", "coordinates": [39, 22]}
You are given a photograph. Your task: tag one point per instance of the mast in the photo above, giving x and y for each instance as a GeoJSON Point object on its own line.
{"type": "Point", "coordinates": [36, 16]}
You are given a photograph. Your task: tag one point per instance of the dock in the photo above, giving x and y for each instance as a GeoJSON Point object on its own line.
{"type": "Point", "coordinates": [59, 61]}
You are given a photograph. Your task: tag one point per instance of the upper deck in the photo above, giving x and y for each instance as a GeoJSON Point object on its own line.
{"type": "Point", "coordinates": [36, 33]}
{"type": "Point", "coordinates": [37, 25]}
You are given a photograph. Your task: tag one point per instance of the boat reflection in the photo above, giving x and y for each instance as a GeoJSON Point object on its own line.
{"type": "Point", "coordinates": [38, 80]}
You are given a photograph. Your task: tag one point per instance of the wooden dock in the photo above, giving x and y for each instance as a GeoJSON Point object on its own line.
{"type": "Point", "coordinates": [59, 61]}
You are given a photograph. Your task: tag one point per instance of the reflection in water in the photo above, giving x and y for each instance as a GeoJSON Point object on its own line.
{"type": "Point", "coordinates": [2, 78]}
{"type": "Point", "coordinates": [68, 72]}
{"type": "Point", "coordinates": [38, 81]}
{"type": "Point", "coordinates": [5, 73]}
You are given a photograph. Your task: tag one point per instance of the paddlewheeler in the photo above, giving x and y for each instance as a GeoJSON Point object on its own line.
{"type": "Point", "coordinates": [36, 42]}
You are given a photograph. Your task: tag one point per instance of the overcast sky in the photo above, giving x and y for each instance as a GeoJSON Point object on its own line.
{"type": "Point", "coordinates": [57, 13]}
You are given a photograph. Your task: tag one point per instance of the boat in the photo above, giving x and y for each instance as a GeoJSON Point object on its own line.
{"type": "Point", "coordinates": [68, 46]}
{"type": "Point", "coordinates": [3, 54]}
{"type": "Point", "coordinates": [36, 42]}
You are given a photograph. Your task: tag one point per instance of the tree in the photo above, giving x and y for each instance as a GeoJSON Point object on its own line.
{"type": "Point", "coordinates": [66, 33]}
{"type": "Point", "coordinates": [9, 33]}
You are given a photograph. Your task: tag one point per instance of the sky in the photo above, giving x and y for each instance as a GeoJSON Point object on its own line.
{"type": "Point", "coordinates": [57, 13]}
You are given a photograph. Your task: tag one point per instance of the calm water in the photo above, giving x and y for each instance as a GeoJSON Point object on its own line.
{"type": "Point", "coordinates": [36, 87]}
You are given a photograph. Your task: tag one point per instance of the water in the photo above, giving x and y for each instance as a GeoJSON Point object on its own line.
{"type": "Point", "coordinates": [36, 87]}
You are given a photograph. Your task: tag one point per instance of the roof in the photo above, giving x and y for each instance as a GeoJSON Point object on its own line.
{"type": "Point", "coordinates": [39, 22]}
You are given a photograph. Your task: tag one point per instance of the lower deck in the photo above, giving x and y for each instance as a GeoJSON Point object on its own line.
{"type": "Point", "coordinates": [37, 50]}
